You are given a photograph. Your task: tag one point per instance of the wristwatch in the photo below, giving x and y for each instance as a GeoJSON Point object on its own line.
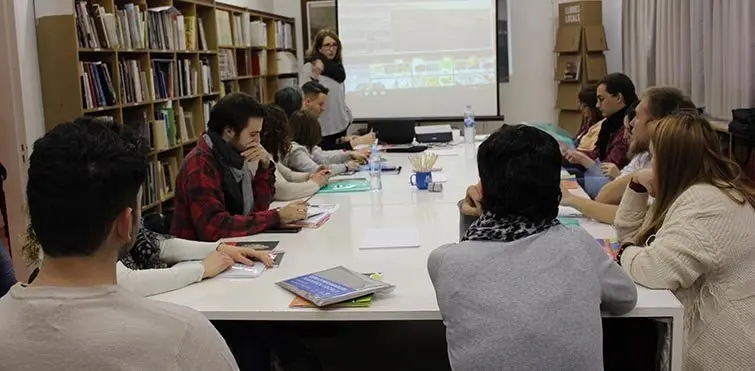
{"type": "Point", "coordinates": [621, 252]}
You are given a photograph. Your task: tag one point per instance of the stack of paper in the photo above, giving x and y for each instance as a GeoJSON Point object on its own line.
{"type": "Point", "coordinates": [568, 211]}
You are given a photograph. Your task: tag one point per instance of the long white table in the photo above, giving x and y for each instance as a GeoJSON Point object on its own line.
{"type": "Point", "coordinates": [336, 243]}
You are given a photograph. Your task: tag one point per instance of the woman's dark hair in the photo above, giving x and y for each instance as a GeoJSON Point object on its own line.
{"type": "Point", "coordinates": [234, 111]}
{"type": "Point", "coordinates": [588, 97]}
{"type": "Point", "coordinates": [631, 111]}
{"type": "Point", "coordinates": [275, 136]}
{"type": "Point", "coordinates": [305, 129]}
{"type": "Point", "coordinates": [520, 172]}
{"type": "Point", "coordinates": [290, 99]}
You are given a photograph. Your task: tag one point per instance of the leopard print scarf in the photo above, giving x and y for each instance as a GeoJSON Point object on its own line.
{"type": "Point", "coordinates": [145, 254]}
{"type": "Point", "coordinates": [490, 228]}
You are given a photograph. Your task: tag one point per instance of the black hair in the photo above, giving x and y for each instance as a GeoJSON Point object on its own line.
{"type": "Point", "coordinates": [619, 83]}
{"type": "Point", "coordinates": [631, 111]}
{"type": "Point", "coordinates": [520, 172]}
{"type": "Point", "coordinates": [82, 175]}
{"type": "Point", "coordinates": [234, 111]}
{"type": "Point", "coordinates": [289, 99]}
{"type": "Point", "coordinates": [311, 88]}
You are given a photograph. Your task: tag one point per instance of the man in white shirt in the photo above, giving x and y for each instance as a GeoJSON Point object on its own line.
{"type": "Point", "coordinates": [83, 195]}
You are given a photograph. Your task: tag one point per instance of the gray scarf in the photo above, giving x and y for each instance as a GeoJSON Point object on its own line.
{"type": "Point", "coordinates": [243, 176]}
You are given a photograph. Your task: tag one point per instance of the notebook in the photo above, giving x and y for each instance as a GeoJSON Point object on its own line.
{"type": "Point", "coordinates": [257, 245]}
{"type": "Point", "coordinates": [568, 211]}
{"type": "Point", "coordinates": [252, 271]}
{"type": "Point", "coordinates": [317, 215]}
{"type": "Point", "coordinates": [347, 186]}
{"type": "Point", "coordinates": [334, 285]}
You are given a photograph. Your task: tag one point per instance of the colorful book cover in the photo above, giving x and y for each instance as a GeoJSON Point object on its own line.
{"type": "Point", "coordinates": [610, 246]}
{"type": "Point", "coordinates": [360, 302]}
{"type": "Point", "coordinates": [347, 186]}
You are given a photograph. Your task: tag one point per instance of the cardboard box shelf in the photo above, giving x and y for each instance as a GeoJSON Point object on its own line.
{"type": "Point", "coordinates": [580, 68]}
{"type": "Point", "coordinates": [567, 97]}
{"type": "Point", "coordinates": [581, 39]}
{"type": "Point", "coordinates": [570, 121]}
{"type": "Point", "coordinates": [588, 12]}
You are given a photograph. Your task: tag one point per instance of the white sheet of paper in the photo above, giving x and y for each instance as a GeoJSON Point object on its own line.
{"type": "Point", "coordinates": [390, 238]}
{"type": "Point", "coordinates": [440, 177]}
{"type": "Point", "coordinates": [568, 211]}
{"type": "Point", "coordinates": [445, 151]}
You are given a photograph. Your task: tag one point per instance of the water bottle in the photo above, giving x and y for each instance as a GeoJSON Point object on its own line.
{"type": "Point", "coordinates": [376, 182]}
{"type": "Point", "coordinates": [469, 132]}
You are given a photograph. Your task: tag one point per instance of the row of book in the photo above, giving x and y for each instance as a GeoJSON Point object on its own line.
{"type": "Point", "coordinates": [96, 85]}
{"type": "Point", "coordinates": [161, 181]}
{"type": "Point", "coordinates": [249, 63]}
{"type": "Point", "coordinates": [284, 35]}
{"type": "Point", "coordinates": [160, 28]}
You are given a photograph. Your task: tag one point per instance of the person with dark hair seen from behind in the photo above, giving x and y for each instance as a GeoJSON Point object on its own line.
{"type": "Point", "coordinates": [324, 63]}
{"type": "Point", "coordinates": [696, 240]}
{"type": "Point", "coordinates": [290, 99]}
{"type": "Point", "coordinates": [615, 94]}
{"type": "Point", "coordinates": [592, 120]}
{"type": "Point", "coordinates": [74, 316]}
{"type": "Point", "coordinates": [217, 194]}
{"type": "Point", "coordinates": [276, 139]}
{"type": "Point", "coordinates": [519, 240]}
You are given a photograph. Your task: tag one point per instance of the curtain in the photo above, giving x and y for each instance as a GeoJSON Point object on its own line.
{"type": "Point", "coordinates": [704, 47]}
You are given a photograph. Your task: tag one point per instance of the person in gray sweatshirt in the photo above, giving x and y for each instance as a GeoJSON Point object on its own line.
{"type": "Point", "coordinates": [306, 156]}
{"type": "Point", "coordinates": [521, 291]}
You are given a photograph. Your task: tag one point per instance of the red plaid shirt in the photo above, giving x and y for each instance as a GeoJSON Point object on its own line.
{"type": "Point", "coordinates": [200, 213]}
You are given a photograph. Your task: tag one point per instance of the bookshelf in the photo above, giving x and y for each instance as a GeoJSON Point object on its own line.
{"type": "Point", "coordinates": [159, 66]}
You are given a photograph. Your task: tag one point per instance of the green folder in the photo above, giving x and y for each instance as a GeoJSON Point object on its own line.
{"type": "Point", "coordinates": [347, 186]}
{"type": "Point", "coordinates": [556, 132]}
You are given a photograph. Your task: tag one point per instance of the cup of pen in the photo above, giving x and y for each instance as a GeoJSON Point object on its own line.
{"type": "Point", "coordinates": [422, 164]}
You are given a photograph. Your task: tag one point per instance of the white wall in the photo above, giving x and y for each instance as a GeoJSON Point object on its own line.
{"type": "Point", "coordinates": [31, 87]}
{"type": "Point", "coordinates": [612, 22]}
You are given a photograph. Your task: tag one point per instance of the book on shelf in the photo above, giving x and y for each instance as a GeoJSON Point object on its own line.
{"type": "Point", "coordinates": [242, 30]}
{"type": "Point", "coordinates": [163, 78]}
{"type": "Point", "coordinates": [284, 35]}
{"type": "Point", "coordinates": [96, 85]}
{"type": "Point", "coordinates": [168, 169]}
{"type": "Point", "coordinates": [227, 64]}
{"type": "Point", "coordinates": [166, 26]}
{"type": "Point", "coordinates": [185, 124]}
{"type": "Point", "coordinates": [259, 63]}
{"type": "Point", "coordinates": [286, 62]}
{"type": "Point", "coordinates": [258, 34]}
{"type": "Point", "coordinates": [95, 27]}
{"type": "Point", "coordinates": [223, 21]}
{"type": "Point", "coordinates": [131, 27]}
{"type": "Point", "coordinates": [202, 38]}
{"type": "Point", "coordinates": [164, 129]}
{"type": "Point", "coordinates": [188, 79]}
{"type": "Point", "coordinates": [207, 82]}
{"type": "Point", "coordinates": [133, 81]}
{"type": "Point", "coordinates": [149, 195]}
{"type": "Point", "coordinates": [206, 108]}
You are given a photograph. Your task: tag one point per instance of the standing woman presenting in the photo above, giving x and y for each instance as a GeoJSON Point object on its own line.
{"type": "Point", "coordinates": [325, 64]}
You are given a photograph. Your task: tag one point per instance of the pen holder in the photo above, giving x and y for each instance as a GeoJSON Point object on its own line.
{"type": "Point", "coordinates": [421, 179]}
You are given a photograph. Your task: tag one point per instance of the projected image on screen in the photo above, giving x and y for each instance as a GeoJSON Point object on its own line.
{"type": "Point", "coordinates": [419, 58]}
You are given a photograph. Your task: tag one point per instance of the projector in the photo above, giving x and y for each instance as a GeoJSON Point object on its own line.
{"type": "Point", "coordinates": [434, 134]}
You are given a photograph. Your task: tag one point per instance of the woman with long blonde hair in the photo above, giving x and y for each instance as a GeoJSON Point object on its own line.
{"type": "Point", "coordinates": [697, 239]}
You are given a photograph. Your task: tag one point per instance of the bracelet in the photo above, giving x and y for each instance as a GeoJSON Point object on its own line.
{"type": "Point", "coordinates": [637, 187]}
{"type": "Point", "coordinates": [621, 252]}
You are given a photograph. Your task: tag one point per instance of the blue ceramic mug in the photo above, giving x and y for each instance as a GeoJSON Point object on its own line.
{"type": "Point", "coordinates": [421, 179]}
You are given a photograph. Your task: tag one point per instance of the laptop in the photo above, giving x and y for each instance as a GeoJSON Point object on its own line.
{"type": "Point", "coordinates": [398, 131]}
